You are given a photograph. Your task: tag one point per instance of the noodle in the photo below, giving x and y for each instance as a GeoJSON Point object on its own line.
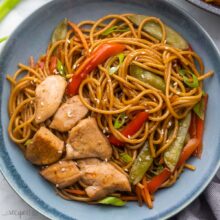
{"type": "Point", "coordinates": [113, 94]}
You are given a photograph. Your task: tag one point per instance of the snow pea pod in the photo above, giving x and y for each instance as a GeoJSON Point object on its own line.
{"type": "Point", "coordinates": [172, 154]}
{"type": "Point", "coordinates": [147, 77]}
{"type": "Point", "coordinates": [153, 28]}
{"type": "Point", "coordinates": [141, 165]}
{"type": "Point", "coordinates": [60, 31]}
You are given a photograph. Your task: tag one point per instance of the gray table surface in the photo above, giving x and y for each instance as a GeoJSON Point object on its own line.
{"type": "Point", "coordinates": [12, 207]}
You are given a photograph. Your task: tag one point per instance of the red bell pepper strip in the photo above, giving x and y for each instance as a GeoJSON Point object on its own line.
{"type": "Point", "coordinates": [200, 124]}
{"type": "Point", "coordinates": [192, 127]}
{"type": "Point", "coordinates": [101, 53]}
{"type": "Point", "coordinates": [130, 129]}
{"type": "Point", "coordinates": [188, 150]}
{"type": "Point", "coordinates": [158, 180]}
{"type": "Point", "coordinates": [53, 64]}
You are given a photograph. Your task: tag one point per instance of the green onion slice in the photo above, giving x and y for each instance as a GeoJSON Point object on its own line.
{"type": "Point", "coordinates": [191, 82]}
{"type": "Point", "coordinates": [120, 120]}
{"type": "Point", "coordinates": [125, 157]}
{"type": "Point", "coordinates": [112, 201]}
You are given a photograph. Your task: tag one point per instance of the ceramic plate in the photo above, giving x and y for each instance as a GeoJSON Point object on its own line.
{"type": "Point", "coordinates": [32, 37]}
{"type": "Point", "coordinates": [208, 7]}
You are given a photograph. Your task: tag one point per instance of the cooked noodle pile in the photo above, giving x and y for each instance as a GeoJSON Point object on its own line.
{"type": "Point", "coordinates": [112, 91]}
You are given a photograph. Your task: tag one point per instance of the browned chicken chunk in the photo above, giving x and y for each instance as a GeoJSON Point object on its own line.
{"type": "Point", "coordinates": [62, 173]}
{"type": "Point", "coordinates": [49, 94]}
{"type": "Point", "coordinates": [45, 148]}
{"type": "Point", "coordinates": [69, 113]}
{"type": "Point", "coordinates": [102, 178]}
{"type": "Point", "coordinates": [87, 141]}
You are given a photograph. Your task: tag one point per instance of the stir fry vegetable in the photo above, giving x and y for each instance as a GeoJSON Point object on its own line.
{"type": "Point", "coordinates": [53, 64]}
{"type": "Point", "coordinates": [200, 125]}
{"type": "Point", "coordinates": [130, 129]}
{"type": "Point", "coordinates": [188, 150]}
{"type": "Point", "coordinates": [125, 157]}
{"type": "Point", "coordinates": [154, 29]}
{"type": "Point", "coordinates": [141, 165]}
{"type": "Point", "coordinates": [158, 180]}
{"type": "Point", "coordinates": [147, 77]}
{"type": "Point", "coordinates": [114, 69]}
{"type": "Point", "coordinates": [6, 7]}
{"type": "Point", "coordinates": [114, 29]}
{"type": "Point", "coordinates": [192, 83]}
{"type": "Point", "coordinates": [120, 120]}
{"type": "Point", "coordinates": [171, 156]}
{"type": "Point", "coordinates": [112, 201]}
{"type": "Point", "coordinates": [98, 56]}
{"type": "Point", "coordinates": [60, 31]}
{"type": "Point", "coordinates": [60, 68]}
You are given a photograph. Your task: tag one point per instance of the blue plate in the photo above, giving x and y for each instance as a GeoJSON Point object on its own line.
{"type": "Point", "coordinates": [32, 37]}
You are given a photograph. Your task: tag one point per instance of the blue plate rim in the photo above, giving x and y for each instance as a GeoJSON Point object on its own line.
{"type": "Point", "coordinates": [55, 214]}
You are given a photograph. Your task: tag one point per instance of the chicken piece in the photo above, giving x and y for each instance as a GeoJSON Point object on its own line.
{"type": "Point", "coordinates": [62, 173]}
{"type": "Point", "coordinates": [69, 113]}
{"type": "Point", "coordinates": [49, 94]}
{"type": "Point", "coordinates": [45, 148]}
{"type": "Point", "coordinates": [87, 140]}
{"type": "Point", "coordinates": [102, 178]}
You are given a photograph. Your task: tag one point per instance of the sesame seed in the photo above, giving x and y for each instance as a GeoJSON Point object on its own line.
{"type": "Point", "coordinates": [129, 136]}
{"type": "Point", "coordinates": [70, 114]}
{"type": "Point", "coordinates": [97, 100]}
{"type": "Point", "coordinates": [68, 145]}
{"type": "Point", "coordinates": [126, 170]}
{"type": "Point", "coordinates": [106, 160]}
{"type": "Point", "coordinates": [60, 151]}
{"type": "Point", "coordinates": [74, 66]}
{"type": "Point", "coordinates": [63, 169]}
{"type": "Point", "coordinates": [42, 103]}
{"type": "Point", "coordinates": [169, 123]}
{"type": "Point", "coordinates": [57, 185]}
{"type": "Point", "coordinates": [68, 41]}
{"type": "Point", "coordinates": [55, 71]}
{"type": "Point", "coordinates": [147, 157]}
{"type": "Point", "coordinates": [60, 162]}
